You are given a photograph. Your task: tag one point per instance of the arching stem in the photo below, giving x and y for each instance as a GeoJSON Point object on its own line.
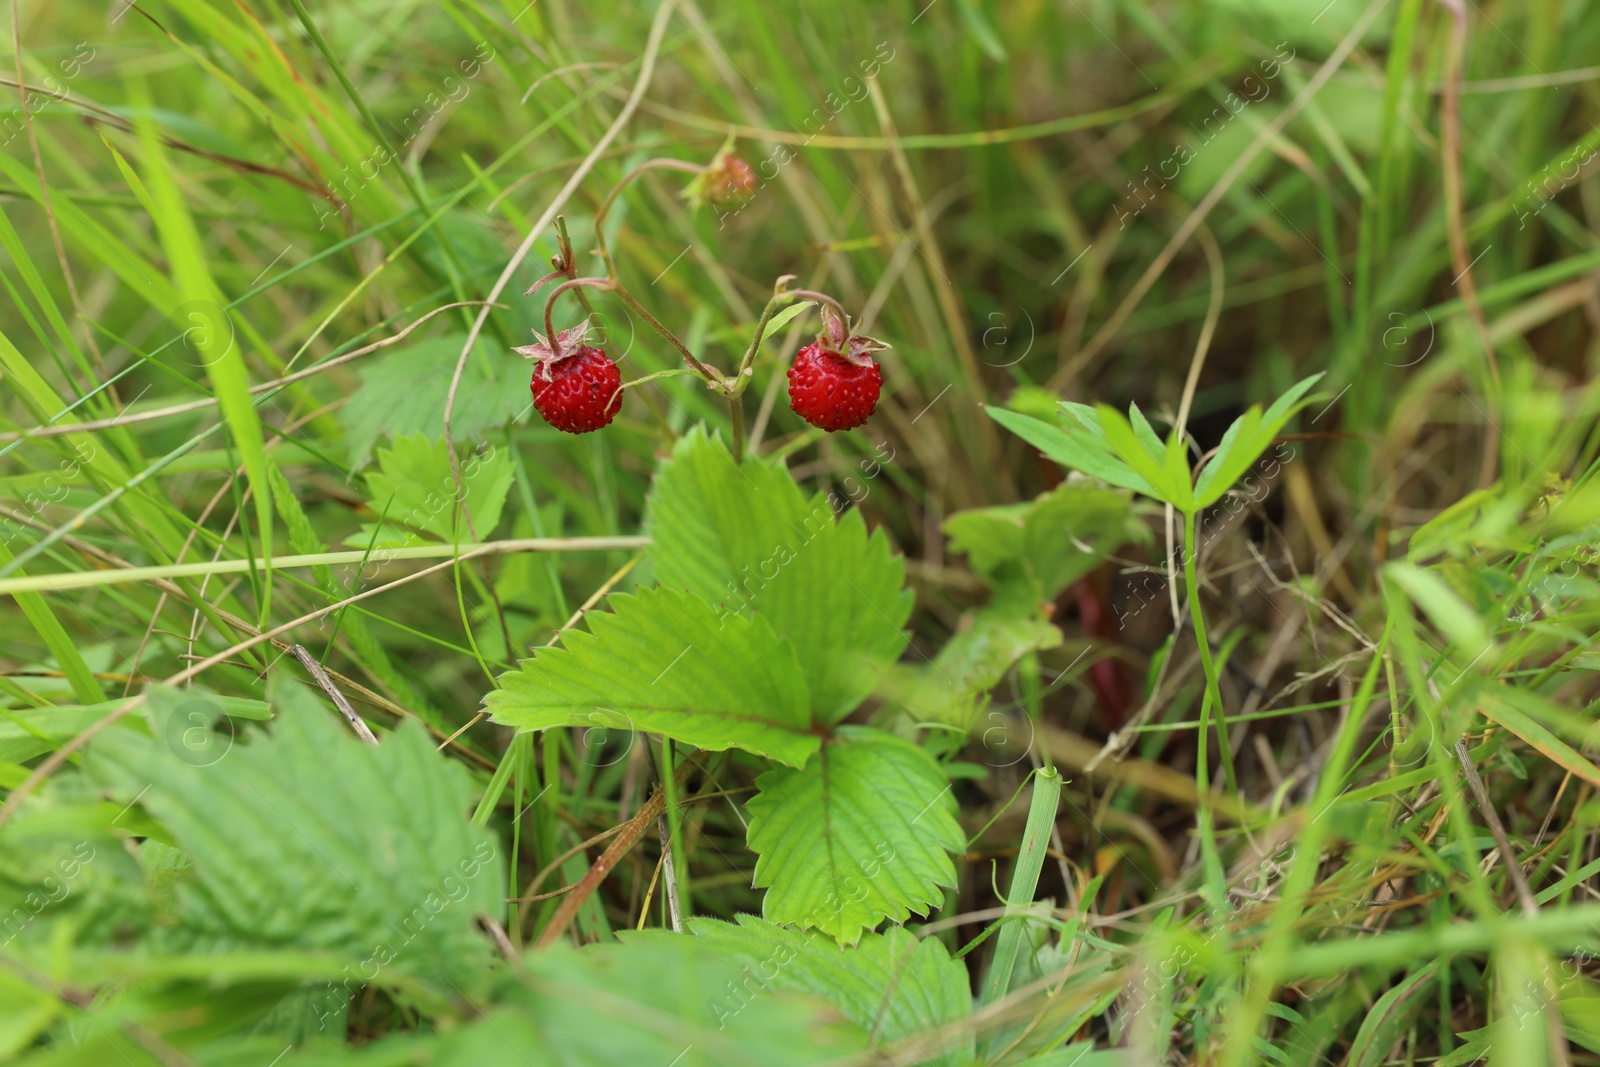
{"type": "Point", "coordinates": [603, 284]}
{"type": "Point", "coordinates": [605, 205]}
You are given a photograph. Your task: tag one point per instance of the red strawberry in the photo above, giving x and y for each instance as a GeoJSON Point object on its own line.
{"type": "Point", "coordinates": [831, 392]}
{"type": "Point", "coordinates": [834, 382]}
{"type": "Point", "coordinates": [575, 386]}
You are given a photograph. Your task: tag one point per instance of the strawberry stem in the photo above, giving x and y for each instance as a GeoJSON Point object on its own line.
{"type": "Point", "coordinates": [550, 303]}
{"type": "Point", "coordinates": [736, 419]}
{"type": "Point", "coordinates": [761, 330]}
{"type": "Point", "coordinates": [821, 298]}
{"type": "Point", "coordinates": [605, 205]}
{"type": "Point", "coordinates": [706, 372]}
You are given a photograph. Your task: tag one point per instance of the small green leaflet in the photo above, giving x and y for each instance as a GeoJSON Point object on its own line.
{"type": "Point", "coordinates": [861, 834]}
{"type": "Point", "coordinates": [664, 661]}
{"type": "Point", "coordinates": [787, 315]}
{"type": "Point", "coordinates": [415, 483]}
{"type": "Point", "coordinates": [400, 395]}
{"type": "Point", "coordinates": [1126, 452]}
{"type": "Point", "coordinates": [1248, 437]}
{"type": "Point", "coordinates": [1076, 447]}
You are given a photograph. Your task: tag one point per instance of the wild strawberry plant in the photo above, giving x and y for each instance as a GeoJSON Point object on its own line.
{"type": "Point", "coordinates": [772, 622]}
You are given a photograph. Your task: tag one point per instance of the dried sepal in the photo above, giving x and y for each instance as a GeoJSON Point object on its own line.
{"type": "Point", "coordinates": [860, 347]}
{"type": "Point", "coordinates": [567, 343]}
{"type": "Point", "coordinates": [835, 329]}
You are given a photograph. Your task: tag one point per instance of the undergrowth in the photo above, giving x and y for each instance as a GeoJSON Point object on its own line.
{"type": "Point", "coordinates": [1077, 544]}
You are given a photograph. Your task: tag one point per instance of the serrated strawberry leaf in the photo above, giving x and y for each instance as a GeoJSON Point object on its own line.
{"type": "Point", "coordinates": [309, 839]}
{"type": "Point", "coordinates": [666, 662]}
{"type": "Point", "coordinates": [745, 538]}
{"type": "Point", "coordinates": [861, 834]}
{"type": "Point", "coordinates": [894, 985]}
{"type": "Point", "coordinates": [656, 1002]}
{"type": "Point", "coordinates": [400, 395]}
{"type": "Point", "coordinates": [841, 600]}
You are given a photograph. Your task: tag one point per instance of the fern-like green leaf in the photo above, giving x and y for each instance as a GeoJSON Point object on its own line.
{"type": "Point", "coordinates": [861, 834]}
{"type": "Point", "coordinates": [1246, 439]}
{"type": "Point", "coordinates": [309, 839]}
{"type": "Point", "coordinates": [664, 661]}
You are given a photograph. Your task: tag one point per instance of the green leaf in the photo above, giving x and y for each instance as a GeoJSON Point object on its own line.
{"type": "Point", "coordinates": [310, 839]}
{"type": "Point", "coordinates": [715, 525]}
{"type": "Point", "coordinates": [400, 395]}
{"type": "Point", "coordinates": [658, 1002]}
{"type": "Point", "coordinates": [415, 483]}
{"type": "Point", "coordinates": [841, 600]}
{"type": "Point", "coordinates": [1080, 1054]}
{"type": "Point", "coordinates": [745, 538]}
{"type": "Point", "coordinates": [1044, 541]}
{"type": "Point", "coordinates": [787, 315]}
{"type": "Point", "coordinates": [208, 329]}
{"type": "Point", "coordinates": [1146, 459]}
{"type": "Point", "coordinates": [1246, 439]}
{"type": "Point", "coordinates": [25, 1012]}
{"type": "Point", "coordinates": [860, 834]}
{"type": "Point", "coordinates": [68, 656]}
{"type": "Point", "coordinates": [981, 30]}
{"type": "Point", "coordinates": [1392, 1015]}
{"type": "Point", "coordinates": [664, 661]}
{"type": "Point", "coordinates": [1146, 434]}
{"type": "Point", "coordinates": [1445, 607]}
{"type": "Point", "coordinates": [893, 985]}
{"type": "Point", "coordinates": [1580, 1013]}
{"type": "Point", "coordinates": [1080, 449]}
{"type": "Point", "coordinates": [970, 664]}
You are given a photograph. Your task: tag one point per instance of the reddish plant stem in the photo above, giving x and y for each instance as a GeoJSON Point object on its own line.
{"type": "Point", "coordinates": [550, 302]}
{"type": "Point", "coordinates": [632, 830]}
